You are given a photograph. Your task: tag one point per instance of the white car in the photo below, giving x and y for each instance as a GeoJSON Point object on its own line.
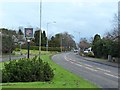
{"type": "Point", "coordinates": [86, 51]}
{"type": "Point", "coordinates": [75, 51]}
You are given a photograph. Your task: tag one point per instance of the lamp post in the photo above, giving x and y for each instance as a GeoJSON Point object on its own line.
{"type": "Point", "coordinates": [79, 39]}
{"type": "Point", "coordinates": [40, 28]}
{"type": "Point", "coordinates": [47, 35]}
{"type": "Point", "coordinates": [28, 41]}
{"type": "Point", "coordinates": [61, 42]}
{"type": "Point", "coordinates": [0, 43]}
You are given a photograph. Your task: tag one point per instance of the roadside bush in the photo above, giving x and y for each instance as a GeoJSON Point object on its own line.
{"type": "Point", "coordinates": [89, 54]}
{"type": "Point", "coordinates": [17, 49]}
{"type": "Point", "coordinates": [81, 54]}
{"type": "Point", "coordinates": [27, 70]}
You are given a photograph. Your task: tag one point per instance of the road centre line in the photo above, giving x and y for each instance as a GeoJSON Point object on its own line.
{"type": "Point", "coordinates": [103, 69]}
{"type": "Point", "coordinates": [92, 66]}
{"type": "Point", "coordinates": [72, 62]}
{"type": "Point", "coordinates": [90, 69]}
{"type": "Point", "coordinates": [88, 65]}
{"type": "Point", "coordinates": [78, 64]}
{"type": "Point", "coordinates": [111, 75]}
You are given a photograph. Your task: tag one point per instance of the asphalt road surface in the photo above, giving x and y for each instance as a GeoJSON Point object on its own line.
{"type": "Point", "coordinates": [5, 58]}
{"type": "Point", "coordinates": [102, 75]}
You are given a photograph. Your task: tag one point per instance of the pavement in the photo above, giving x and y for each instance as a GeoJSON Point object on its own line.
{"type": "Point", "coordinates": [13, 57]}
{"type": "Point", "coordinates": [101, 61]}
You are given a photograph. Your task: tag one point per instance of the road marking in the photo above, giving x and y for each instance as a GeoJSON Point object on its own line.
{"type": "Point", "coordinates": [88, 65]}
{"type": "Point", "coordinates": [72, 62]}
{"type": "Point", "coordinates": [111, 75]}
{"type": "Point", "coordinates": [66, 58]}
{"type": "Point", "coordinates": [103, 70]}
{"type": "Point", "coordinates": [90, 69]}
{"type": "Point", "coordinates": [78, 65]}
{"type": "Point", "coordinates": [70, 58]}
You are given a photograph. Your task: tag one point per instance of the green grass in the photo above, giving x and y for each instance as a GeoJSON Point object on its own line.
{"type": "Point", "coordinates": [62, 79]}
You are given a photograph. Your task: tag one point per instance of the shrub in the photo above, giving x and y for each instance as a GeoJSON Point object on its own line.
{"type": "Point", "coordinates": [17, 49]}
{"type": "Point", "coordinates": [27, 70]}
{"type": "Point", "coordinates": [81, 54]}
{"type": "Point", "coordinates": [90, 54]}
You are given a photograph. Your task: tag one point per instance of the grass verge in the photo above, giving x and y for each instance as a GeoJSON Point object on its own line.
{"type": "Point", "coordinates": [62, 79]}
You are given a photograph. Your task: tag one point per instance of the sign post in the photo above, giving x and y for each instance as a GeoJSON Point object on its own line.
{"type": "Point", "coordinates": [28, 36]}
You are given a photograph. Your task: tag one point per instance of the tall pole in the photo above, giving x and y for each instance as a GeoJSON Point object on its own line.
{"type": "Point", "coordinates": [61, 43]}
{"type": "Point", "coordinates": [47, 38]}
{"type": "Point", "coordinates": [78, 36]}
{"type": "Point", "coordinates": [40, 28]}
{"type": "Point", "coordinates": [119, 32]}
{"type": "Point", "coordinates": [47, 35]}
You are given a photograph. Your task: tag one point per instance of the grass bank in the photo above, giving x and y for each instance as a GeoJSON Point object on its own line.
{"type": "Point", "coordinates": [62, 79]}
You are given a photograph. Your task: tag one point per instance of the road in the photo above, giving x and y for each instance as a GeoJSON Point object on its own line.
{"type": "Point", "coordinates": [100, 74]}
{"type": "Point", "coordinates": [5, 58]}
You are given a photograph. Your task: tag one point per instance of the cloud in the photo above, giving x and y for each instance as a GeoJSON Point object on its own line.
{"type": "Point", "coordinates": [73, 1]}
{"type": "Point", "coordinates": [86, 16]}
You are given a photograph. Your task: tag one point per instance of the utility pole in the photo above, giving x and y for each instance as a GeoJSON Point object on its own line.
{"type": "Point", "coordinates": [47, 35]}
{"type": "Point", "coordinates": [40, 28]}
{"type": "Point", "coordinates": [78, 41]}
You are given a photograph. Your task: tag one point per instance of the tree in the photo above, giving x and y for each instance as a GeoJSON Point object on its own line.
{"type": "Point", "coordinates": [96, 38]}
{"type": "Point", "coordinates": [36, 36]}
{"type": "Point", "coordinates": [114, 36]}
{"type": "Point", "coordinates": [65, 38]}
{"type": "Point", "coordinates": [20, 35]}
{"type": "Point", "coordinates": [96, 42]}
{"type": "Point", "coordinates": [43, 38]}
{"type": "Point", "coordinates": [84, 44]}
{"type": "Point", "coordinates": [20, 32]}
{"type": "Point", "coordinates": [7, 41]}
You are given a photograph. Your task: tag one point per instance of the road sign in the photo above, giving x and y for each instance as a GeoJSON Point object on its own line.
{"type": "Point", "coordinates": [28, 32]}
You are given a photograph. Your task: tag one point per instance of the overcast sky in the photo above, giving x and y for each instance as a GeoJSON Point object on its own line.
{"type": "Point", "coordinates": [88, 17]}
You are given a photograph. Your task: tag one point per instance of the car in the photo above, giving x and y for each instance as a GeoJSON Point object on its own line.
{"type": "Point", "coordinates": [86, 51]}
{"type": "Point", "coordinates": [75, 51]}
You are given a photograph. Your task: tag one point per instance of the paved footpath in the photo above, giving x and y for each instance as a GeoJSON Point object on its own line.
{"type": "Point", "coordinates": [101, 61]}
{"type": "Point", "coordinates": [13, 57]}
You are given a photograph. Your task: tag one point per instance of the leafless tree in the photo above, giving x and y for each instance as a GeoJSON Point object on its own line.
{"type": "Point", "coordinates": [114, 33]}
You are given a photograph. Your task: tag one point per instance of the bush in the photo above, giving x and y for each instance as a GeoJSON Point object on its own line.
{"type": "Point", "coordinates": [27, 70]}
{"type": "Point", "coordinates": [81, 54]}
{"type": "Point", "coordinates": [89, 54]}
{"type": "Point", "coordinates": [17, 49]}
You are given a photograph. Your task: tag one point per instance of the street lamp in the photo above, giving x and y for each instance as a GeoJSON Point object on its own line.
{"type": "Point", "coordinates": [61, 42]}
{"type": "Point", "coordinates": [47, 35]}
{"type": "Point", "coordinates": [40, 28]}
{"type": "Point", "coordinates": [79, 39]}
{"type": "Point", "coordinates": [28, 41]}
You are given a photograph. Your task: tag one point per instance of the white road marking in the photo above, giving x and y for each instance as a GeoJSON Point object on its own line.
{"type": "Point", "coordinates": [90, 69]}
{"type": "Point", "coordinates": [103, 70]}
{"type": "Point", "coordinates": [72, 62]}
{"type": "Point", "coordinates": [111, 75]}
{"type": "Point", "coordinates": [78, 65]}
{"type": "Point", "coordinates": [88, 65]}
{"type": "Point", "coordinates": [66, 58]}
